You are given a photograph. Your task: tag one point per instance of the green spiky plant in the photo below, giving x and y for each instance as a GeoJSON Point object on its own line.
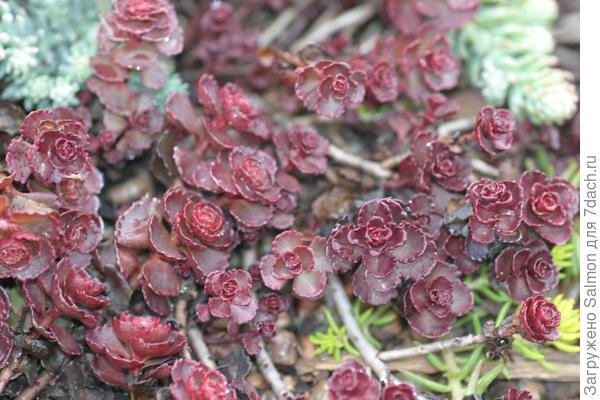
{"type": "Point", "coordinates": [507, 52]}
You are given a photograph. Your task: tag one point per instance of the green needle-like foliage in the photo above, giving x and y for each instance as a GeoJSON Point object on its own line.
{"type": "Point", "coordinates": [372, 317]}
{"type": "Point", "coordinates": [566, 258]}
{"type": "Point", "coordinates": [507, 51]}
{"type": "Point", "coordinates": [334, 340]}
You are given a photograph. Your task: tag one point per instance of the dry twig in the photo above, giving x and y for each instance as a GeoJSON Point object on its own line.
{"type": "Point", "coordinates": [366, 349]}
{"type": "Point", "coordinates": [350, 160]}
{"type": "Point", "coordinates": [354, 16]}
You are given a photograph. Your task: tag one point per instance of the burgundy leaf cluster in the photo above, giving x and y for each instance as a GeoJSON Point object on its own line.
{"type": "Point", "coordinates": [432, 162]}
{"type": "Point", "coordinates": [302, 148]}
{"type": "Point", "coordinates": [330, 87]}
{"type": "Point", "coordinates": [549, 206]}
{"type": "Point", "coordinates": [434, 303]}
{"type": "Point", "coordinates": [408, 123]}
{"type": "Point", "coordinates": [527, 270]}
{"type": "Point", "coordinates": [231, 295]}
{"type": "Point", "coordinates": [538, 319]}
{"type": "Point", "coordinates": [45, 244]}
{"type": "Point", "coordinates": [427, 62]}
{"type": "Point", "coordinates": [383, 79]}
{"type": "Point", "coordinates": [224, 155]}
{"type": "Point", "coordinates": [418, 65]}
{"type": "Point", "coordinates": [494, 129]}
{"type": "Point", "coordinates": [499, 208]}
{"type": "Point", "coordinates": [296, 260]}
{"type": "Point", "coordinates": [53, 153]}
{"type": "Point", "coordinates": [513, 393]}
{"type": "Point", "coordinates": [133, 344]}
{"type": "Point", "coordinates": [162, 242]}
{"type": "Point", "coordinates": [194, 380]}
{"type": "Point", "coordinates": [66, 290]}
{"type": "Point", "coordinates": [134, 38]}
{"type": "Point", "coordinates": [217, 38]}
{"type": "Point", "coordinates": [391, 246]}
{"type": "Point", "coordinates": [350, 380]}
{"type": "Point", "coordinates": [407, 15]}
{"type": "Point", "coordinates": [400, 391]}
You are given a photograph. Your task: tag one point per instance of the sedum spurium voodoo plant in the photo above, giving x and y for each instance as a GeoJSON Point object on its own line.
{"type": "Point", "coordinates": [265, 195]}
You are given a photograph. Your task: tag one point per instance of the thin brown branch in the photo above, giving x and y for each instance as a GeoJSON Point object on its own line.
{"type": "Point", "coordinates": [433, 347]}
{"type": "Point", "coordinates": [367, 351]}
{"type": "Point", "coordinates": [181, 317]}
{"type": "Point", "coordinates": [281, 23]}
{"type": "Point", "coordinates": [455, 125]}
{"type": "Point", "coordinates": [484, 168]}
{"type": "Point", "coordinates": [393, 161]}
{"type": "Point", "coordinates": [8, 372]}
{"type": "Point", "coordinates": [199, 346]}
{"type": "Point", "coordinates": [353, 17]}
{"type": "Point", "coordinates": [271, 374]}
{"type": "Point", "coordinates": [350, 160]}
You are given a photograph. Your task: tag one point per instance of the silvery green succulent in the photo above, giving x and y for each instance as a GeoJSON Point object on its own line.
{"type": "Point", "coordinates": [507, 51]}
{"type": "Point", "coordinates": [45, 46]}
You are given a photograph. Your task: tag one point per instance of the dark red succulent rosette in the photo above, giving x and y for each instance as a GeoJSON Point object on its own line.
{"type": "Point", "coordinates": [153, 21]}
{"type": "Point", "coordinates": [131, 229]}
{"type": "Point", "coordinates": [539, 319]}
{"type": "Point", "coordinates": [218, 38]}
{"type": "Point", "coordinates": [232, 120]}
{"type": "Point", "coordinates": [515, 394]}
{"type": "Point", "coordinates": [340, 252]}
{"type": "Point", "coordinates": [130, 126]}
{"type": "Point", "coordinates": [51, 149]}
{"type": "Point", "coordinates": [297, 260]}
{"type": "Point", "coordinates": [302, 148]}
{"type": "Point", "coordinates": [497, 210]}
{"type": "Point", "coordinates": [194, 380]}
{"type": "Point", "coordinates": [81, 231]}
{"type": "Point", "coordinates": [75, 293]}
{"type": "Point", "coordinates": [241, 114]}
{"type": "Point", "coordinates": [455, 247]}
{"type": "Point", "coordinates": [202, 223]}
{"type": "Point", "coordinates": [24, 255]}
{"type": "Point", "coordinates": [392, 249]}
{"type": "Point", "coordinates": [200, 227]}
{"type": "Point", "coordinates": [426, 214]}
{"type": "Point", "coordinates": [6, 335]}
{"type": "Point", "coordinates": [400, 391]}
{"type": "Point", "coordinates": [272, 303]}
{"type": "Point", "coordinates": [407, 15]}
{"type": "Point", "coordinates": [434, 303]}
{"type": "Point", "coordinates": [231, 295]}
{"type": "Point", "coordinates": [132, 343]}
{"type": "Point", "coordinates": [330, 87]}
{"type": "Point", "coordinates": [431, 161]}
{"type": "Point", "coordinates": [253, 175]}
{"type": "Point", "coordinates": [494, 129]}
{"type": "Point", "coordinates": [428, 63]}
{"type": "Point", "coordinates": [550, 206]}
{"type": "Point", "coordinates": [65, 290]}
{"type": "Point", "coordinates": [528, 271]}
{"type": "Point", "coordinates": [78, 193]}
{"type": "Point", "coordinates": [351, 381]}
{"type": "Point", "coordinates": [382, 82]}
